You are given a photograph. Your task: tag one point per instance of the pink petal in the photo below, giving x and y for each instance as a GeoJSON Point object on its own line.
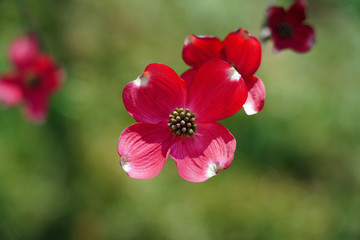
{"type": "Point", "coordinates": [199, 49]}
{"type": "Point", "coordinates": [275, 15]}
{"type": "Point", "coordinates": [23, 50]}
{"type": "Point", "coordinates": [280, 43]}
{"type": "Point", "coordinates": [296, 13]}
{"type": "Point", "coordinates": [10, 90]}
{"type": "Point", "coordinates": [304, 39]}
{"type": "Point", "coordinates": [256, 95]}
{"type": "Point", "coordinates": [144, 148]}
{"type": "Point", "coordinates": [188, 76]}
{"type": "Point", "coordinates": [205, 154]}
{"type": "Point", "coordinates": [216, 92]}
{"type": "Point", "coordinates": [36, 108]}
{"type": "Point", "coordinates": [155, 94]}
{"type": "Point", "coordinates": [243, 51]}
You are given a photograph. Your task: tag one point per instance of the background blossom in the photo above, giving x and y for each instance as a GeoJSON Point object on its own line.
{"type": "Point", "coordinates": [33, 79]}
{"type": "Point", "coordinates": [288, 29]}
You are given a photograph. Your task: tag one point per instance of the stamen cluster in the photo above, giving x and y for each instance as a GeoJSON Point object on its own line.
{"type": "Point", "coordinates": [33, 81]}
{"type": "Point", "coordinates": [285, 30]}
{"type": "Point", "coordinates": [182, 122]}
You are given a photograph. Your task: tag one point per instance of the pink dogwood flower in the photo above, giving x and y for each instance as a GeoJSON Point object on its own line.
{"type": "Point", "coordinates": [239, 49]}
{"type": "Point", "coordinates": [288, 29]}
{"type": "Point", "coordinates": [32, 81]}
{"type": "Point", "coordinates": [179, 120]}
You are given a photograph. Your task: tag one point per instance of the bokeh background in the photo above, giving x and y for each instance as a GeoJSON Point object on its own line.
{"type": "Point", "coordinates": [296, 172]}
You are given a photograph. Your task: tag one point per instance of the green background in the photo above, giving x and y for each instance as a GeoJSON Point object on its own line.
{"type": "Point", "coordinates": [296, 171]}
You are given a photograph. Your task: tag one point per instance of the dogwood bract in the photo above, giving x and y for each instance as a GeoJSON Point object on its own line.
{"type": "Point", "coordinates": [239, 49]}
{"type": "Point", "coordinates": [180, 120]}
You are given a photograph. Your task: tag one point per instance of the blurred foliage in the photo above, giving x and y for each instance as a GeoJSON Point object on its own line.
{"type": "Point", "coordinates": [296, 172]}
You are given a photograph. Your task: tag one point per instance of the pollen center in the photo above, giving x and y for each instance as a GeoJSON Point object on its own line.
{"type": "Point", "coordinates": [182, 122]}
{"type": "Point", "coordinates": [32, 81]}
{"type": "Point", "coordinates": [285, 30]}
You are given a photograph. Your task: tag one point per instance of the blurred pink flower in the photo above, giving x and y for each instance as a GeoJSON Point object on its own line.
{"type": "Point", "coordinates": [32, 81]}
{"type": "Point", "coordinates": [239, 49]}
{"type": "Point", "coordinates": [179, 120]}
{"type": "Point", "coordinates": [288, 29]}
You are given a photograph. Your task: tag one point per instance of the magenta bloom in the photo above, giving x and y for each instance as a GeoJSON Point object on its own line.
{"type": "Point", "coordinates": [288, 29]}
{"type": "Point", "coordinates": [240, 50]}
{"type": "Point", "coordinates": [180, 121]}
{"type": "Point", "coordinates": [32, 81]}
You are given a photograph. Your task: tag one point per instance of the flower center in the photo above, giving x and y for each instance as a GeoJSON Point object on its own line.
{"type": "Point", "coordinates": [285, 30]}
{"type": "Point", "coordinates": [182, 122]}
{"type": "Point", "coordinates": [32, 81]}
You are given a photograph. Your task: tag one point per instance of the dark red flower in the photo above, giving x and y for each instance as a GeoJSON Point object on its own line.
{"type": "Point", "coordinates": [239, 49]}
{"type": "Point", "coordinates": [32, 81]}
{"type": "Point", "coordinates": [288, 29]}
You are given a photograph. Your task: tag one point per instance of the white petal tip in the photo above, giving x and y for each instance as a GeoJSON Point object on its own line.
{"type": "Point", "coordinates": [234, 75]}
{"type": "Point", "coordinates": [249, 110]}
{"type": "Point", "coordinates": [189, 39]}
{"type": "Point", "coordinates": [142, 80]}
{"type": "Point", "coordinates": [213, 169]}
{"type": "Point", "coordinates": [125, 164]}
{"type": "Point", "coordinates": [204, 36]}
